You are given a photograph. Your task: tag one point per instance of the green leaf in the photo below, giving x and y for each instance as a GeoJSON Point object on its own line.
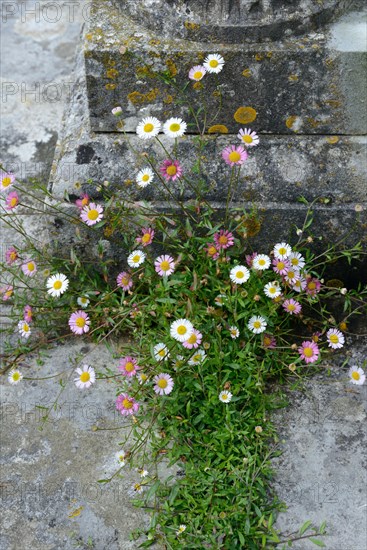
{"type": "Point", "coordinates": [318, 542]}
{"type": "Point", "coordinates": [305, 526]}
{"type": "Point", "coordinates": [173, 493]}
{"type": "Point", "coordinates": [153, 489]}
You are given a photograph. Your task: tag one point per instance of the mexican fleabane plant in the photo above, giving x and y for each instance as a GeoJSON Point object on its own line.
{"type": "Point", "coordinates": [214, 323]}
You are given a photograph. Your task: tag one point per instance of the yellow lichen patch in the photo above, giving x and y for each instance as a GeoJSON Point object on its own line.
{"type": "Point", "coordinates": [245, 115]}
{"type": "Point", "coordinates": [333, 103]}
{"type": "Point", "coordinates": [110, 86]}
{"type": "Point", "coordinates": [144, 71]}
{"type": "Point", "coordinates": [332, 140]}
{"type": "Point", "coordinates": [218, 129]}
{"type": "Point", "coordinates": [290, 121]}
{"type": "Point", "coordinates": [89, 36]}
{"type": "Point", "coordinates": [293, 77]}
{"type": "Point", "coordinates": [312, 122]}
{"type": "Point", "coordinates": [168, 99]}
{"type": "Point", "coordinates": [112, 73]}
{"type": "Point", "coordinates": [259, 57]}
{"type": "Point", "coordinates": [269, 55]}
{"type": "Point", "coordinates": [198, 86]}
{"type": "Point", "coordinates": [247, 73]}
{"type": "Point", "coordinates": [329, 62]}
{"type": "Point", "coordinates": [171, 67]}
{"type": "Point", "coordinates": [154, 42]}
{"type": "Point", "coordinates": [191, 26]}
{"type": "Point", "coordinates": [76, 512]}
{"type": "Point", "coordinates": [138, 98]}
{"type": "Point", "coordinates": [335, 283]}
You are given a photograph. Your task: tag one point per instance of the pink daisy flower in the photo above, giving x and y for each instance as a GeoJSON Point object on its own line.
{"type": "Point", "coordinates": [280, 266]}
{"type": "Point", "coordinates": [163, 384]}
{"type": "Point", "coordinates": [128, 366]}
{"type": "Point", "coordinates": [92, 213]}
{"type": "Point", "coordinates": [299, 285]}
{"type": "Point", "coordinates": [6, 292]}
{"type": "Point", "coordinates": [83, 201]}
{"type": "Point", "coordinates": [6, 180]}
{"type": "Point", "coordinates": [250, 258]}
{"type": "Point", "coordinates": [28, 314]}
{"type": "Point", "coordinates": [291, 276]}
{"type": "Point", "coordinates": [12, 200]}
{"type": "Point", "coordinates": [11, 255]}
{"type": "Point", "coordinates": [29, 268]}
{"type": "Point", "coordinates": [124, 280]}
{"type": "Point", "coordinates": [223, 239]}
{"type": "Point", "coordinates": [171, 170]}
{"type": "Point", "coordinates": [313, 286]}
{"type": "Point", "coordinates": [146, 237]}
{"type": "Point", "coordinates": [79, 322]}
{"type": "Point", "coordinates": [197, 72]}
{"type": "Point", "coordinates": [212, 251]}
{"type": "Point", "coordinates": [126, 404]}
{"type": "Point", "coordinates": [194, 341]}
{"type": "Point", "coordinates": [164, 265]}
{"type": "Point", "coordinates": [309, 351]}
{"type": "Point", "coordinates": [233, 155]}
{"type": "Point", "coordinates": [292, 306]}
{"type": "Point", "coordinates": [269, 342]}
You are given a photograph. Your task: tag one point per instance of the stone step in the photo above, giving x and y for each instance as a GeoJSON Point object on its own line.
{"type": "Point", "coordinates": [313, 84]}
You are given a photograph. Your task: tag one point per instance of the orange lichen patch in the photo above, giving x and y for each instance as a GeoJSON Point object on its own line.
{"type": "Point", "coordinates": [247, 73]}
{"type": "Point", "coordinates": [171, 67]}
{"type": "Point", "coordinates": [110, 86]}
{"type": "Point", "coordinates": [259, 57]}
{"type": "Point", "coordinates": [218, 129]}
{"type": "Point", "coordinates": [138, 98]}
{"type": "Point", "coordinates": [293, 77]}
{"type": "Point", "coordinates": [112, 73]}
{"type": "Point", "coordinates": [191, 26]}
{"type": "Point", "coordinates": [332, 140]}
{"type": "Point", "coordinates": [244, 115]}
{"type": "Point", "coordinates": [290, 121]}
{"type": "Point", "coordinates": [168, 99]}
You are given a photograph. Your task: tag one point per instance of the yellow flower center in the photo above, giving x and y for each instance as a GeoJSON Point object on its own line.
{"type": "Point", "coordinates": [137, 487]}
{"type": "Point", "coordinates": [13, 255]}
{"type": "Point", "coordinates": [125, 281]}
{"type": "Point", "coordinates": [214, 63]}
{"type": "Point", "coordinates": [181, 330]}
{"type": "Point", "coordinates": [356, 375]}
{"type": "Point", "coordinates": [291, 307]}
{"type": "Point", "coordinates": [80, 322]}
{"type": "Point", "coordinates": [57, 285]}
{"type": "Point", "coordinates": [240, 274]}
{"type": "Point", "coordinates": [272, 290]}
{"type": "Point", "coordinates": [262, 261]}
{"type": "Point", "coordinates": [267, 341]}
{"type": "Point", "coordinates": [291, 274]}
{"type": "Point", "coordinates": [162, 352]}
{"type": "Point", "coordinates": [175, 127]}
{"type": "Point", "coordinates": [85, 377]}
{"type": "Point", "coordinates": [223, 239]}
{"type": "Point", "coordinates": [127, 404]}
{"type": "Point", "coordinates": [311, 285]}
{"type": "Point", "coordinates": [334, 338]}
{"type": "Point", "coordinates": [224, 396]}
{"type": "Point", "coordinates": [212, 250]}
{"type": "Point", "coordinates": [280, 265]}
{"type": "Point", "coordinates": [197, 357]}
{"type": "Point", "coordinates": [85, 201]}
{"type": "Point", "coordinates": [257, 324]}
{"type": "Point", "coordinates": [162, 383]}
{"type": "Point", "coordinates": [136, 258]}
{"type": "Point", "coordinates": [146, 238]}
{"type": "Point", "coordinates": [282, 251]}
{"type": "Point", "coordinates": [129, 367]}
{"type": "Point", "coordinates": [25, 327]}
{"type": "Point", "coordinates": [294, 261]}
{"type": "Point", "coordinates": [92, 214]}
{"type": "Point", "coordinates": [6, 181]}
{"type": "Point", "coordinates": [192, 339]}
{"type": "Point", "coordinates": [16, 376]}
{"type": "Point", "coordinates": [171, 170]}
{"type": "Point", "coordinates": [84, 300]}
{"type": "Point", "coordinates": [165, 265]}
{"type": "Point", "coordinates": [234, 156]}
{"type": "Point", "coordinates": [143, 377]}
{"type": "Point", "coordinates": [30, 266]}
{"type": "Point", "coordinates": [13, 202]}
{"type": "Point", "coordinates": [145, 177]}
{"type": "Point", "coordinates": [308, 352]}
{"type": "Point", "coordinates": [148, 127]}
{"type": "Point", "coordinates": [198, 75]}
{"type": "Point", "coordinates": [247, 138]}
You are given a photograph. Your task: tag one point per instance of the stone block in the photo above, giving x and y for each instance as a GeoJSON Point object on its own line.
{"type": "Point", "coordinates": [311, 84]}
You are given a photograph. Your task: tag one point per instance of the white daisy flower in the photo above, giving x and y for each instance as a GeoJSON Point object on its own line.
{"type": "Point", "coordinates": [239, 274]}
{"type": "Point", "coordinates": [86, 378]}
{"type": "Point", "coordinates": [57, 284]}
{"type": "Point", "coordinates": [24, 329]}
{"type": "Point", "coordinates": [335, 338]}
{"type": "Point", "coordinates": [83, 301]}
{"type": "Point", "coordinates": [174, 127]}
{"type": "Point", "coordinates": [272, 290]}
{"type": "Point", "coordinates": [296, 260]}
{"type": "Point", "coordinates": [181, 529]}
{"type": "Point", "coordinates": [248, 138]}
{"type": "Point", "coordinates": [161, 352]}
{"type": "Point", "coordinates": [181, 330]}
{"type": "Point", "coordinates": [234, 332]}
{"type": "Point", "coordinates": [357, 375]}
{"type": "Point", "coordinates": [121, 456]}
{"type": "Point", "coordinates": [142, 377]}
{"type": "Point", "coordinates": [144, 177]}
{"type": "Point", "coordinates": [257, 324]}
{"type": "Point", "coordinates": [197, 358]}
{"type": "Point", "coordinates": [261, 262]}
{"type": "Point", "coordinates": [214, 63]}
{"type": "Point", "coordinates": [220, 299]}
{"type": "Point", "coordinates": [143, 473]}
{"type": "Point", "coordinates": [14, 377]}
{"type": "Point", "coordinates": [282, 251]}
{"type": "Point", "coordinates": [136, 258]}
{"type": "Point", "coordinates": [225, 396]}
{"type": "Point", "coordinates": [148, 128]}
{"type": "Point", "coordinates": [136, 489]}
